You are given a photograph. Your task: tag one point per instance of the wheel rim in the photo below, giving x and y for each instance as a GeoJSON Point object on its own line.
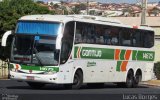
{"type": "Point", "coordinates": [130, 80]}
{"type": "Point", "coordinates": [138, 79]}
{"type": "Point", "coordinates": [76, 80]}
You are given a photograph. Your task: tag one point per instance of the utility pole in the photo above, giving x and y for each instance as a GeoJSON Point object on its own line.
{"type": "Point", "coordinates": [144, 11]}
{"type": "Point", "coordinates": [87, 7]}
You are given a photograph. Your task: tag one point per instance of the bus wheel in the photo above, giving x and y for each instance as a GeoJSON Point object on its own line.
{"type": "Point", "coordinates": [130, 80]}
{"type": "Point", "coordinates": [137, 79]}
{"type": "Point", "coordinates": [36, 85]}
{"type": "Point", "coordinates": [78, 80]}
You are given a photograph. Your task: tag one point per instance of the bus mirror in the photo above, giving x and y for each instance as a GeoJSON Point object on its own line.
{"type": "Point", "coordinates": [59, 38]}
{"type": "Point", "coordinates": [4, 38]}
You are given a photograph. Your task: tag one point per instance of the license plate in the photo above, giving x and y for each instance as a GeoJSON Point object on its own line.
{"type": "Point", "coordinates": [30, 77]}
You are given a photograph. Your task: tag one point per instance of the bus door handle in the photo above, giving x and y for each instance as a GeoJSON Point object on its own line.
{"type": "Point", "coordinates": [110, 71]}
{"type": "Point", "coordinates": [92, 71]}
{"type": "Point", "coordinates": [101, 71]}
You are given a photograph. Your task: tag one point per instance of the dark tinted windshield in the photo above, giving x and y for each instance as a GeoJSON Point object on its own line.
{"type": "Point", "coordinates": [35, 49]}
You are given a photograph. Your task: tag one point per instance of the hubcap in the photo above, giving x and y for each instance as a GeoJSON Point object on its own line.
{"type": "Point", "coordinates": [76, 80]}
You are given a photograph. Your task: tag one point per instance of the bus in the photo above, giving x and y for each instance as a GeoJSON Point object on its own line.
{"type": "Point", "coordinates": [80, 49]}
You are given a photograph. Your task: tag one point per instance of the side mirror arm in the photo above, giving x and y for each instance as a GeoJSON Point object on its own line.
{"type": "Point", "coordinates": [4, 38]}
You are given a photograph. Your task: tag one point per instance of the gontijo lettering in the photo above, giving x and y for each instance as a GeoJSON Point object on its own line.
{"type": "Point", "coordinates": [92, 53]}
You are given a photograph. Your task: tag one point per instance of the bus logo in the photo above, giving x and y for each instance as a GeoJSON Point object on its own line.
{"type": "Point", "coordinates": [88, 52]}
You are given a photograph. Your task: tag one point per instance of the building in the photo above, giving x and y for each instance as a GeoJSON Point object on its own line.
{"type": "Point", "coordinates": [153, 22]}
{"type": "Point", "coordinates": [53, 2]}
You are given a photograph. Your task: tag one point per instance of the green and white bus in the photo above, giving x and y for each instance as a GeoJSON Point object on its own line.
{"type": "Point", "coordinates": [76, 49]}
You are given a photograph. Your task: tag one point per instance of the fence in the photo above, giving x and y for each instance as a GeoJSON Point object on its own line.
{"type": "Point", "coordinates": [3, 69]}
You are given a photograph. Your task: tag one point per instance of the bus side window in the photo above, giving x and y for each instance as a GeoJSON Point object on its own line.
{"type": "Point", "coordinates": [115, 36]}
{"type": "Point", "coordinates": [107, 36]}
{"type": "Point", "coordinates": [78, 36]}
{"type": "Point", "coordinates": [125, 38]}
{"type": "Point", "coordinates": [136, 39]}
{"type": "Point", "coordinates": [148, 39]}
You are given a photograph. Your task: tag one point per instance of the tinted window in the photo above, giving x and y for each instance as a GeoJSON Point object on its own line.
{"type": "Point", "coordinates": [67, 42]}
{"type": "Point", "coordinates": [111, 35]}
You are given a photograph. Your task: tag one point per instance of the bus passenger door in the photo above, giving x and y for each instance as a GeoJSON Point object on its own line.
{"type": "Point", "coordinates": [66, 60]}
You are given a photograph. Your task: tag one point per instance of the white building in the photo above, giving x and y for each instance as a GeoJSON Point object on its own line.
{"type": "Point", "coordinates": [53, 2]}
{"type": "Point", "coordinates": [111, 13]}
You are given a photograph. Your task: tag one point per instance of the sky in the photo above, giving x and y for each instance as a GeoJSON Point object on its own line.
{"type": "Point", "coordinates": [109, 1]}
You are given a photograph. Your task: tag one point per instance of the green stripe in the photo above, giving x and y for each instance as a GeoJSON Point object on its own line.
{"type": "Point", "coordinates": [106, 53]}
{"type": "Point", "coordinates": [38, 68]}
{"type": "Point", "coordinates": [118, 68]}
{"type": "Point", "coordinates": [122, 54]}
{"type": "Point", "coordinates": [95, 53]}
{"type": "Point", "coordinates": [75, 53]}
{"type": "Point", "coordinates": [143, 55]}
{"type": "Point", "coordinates": [134, 54]}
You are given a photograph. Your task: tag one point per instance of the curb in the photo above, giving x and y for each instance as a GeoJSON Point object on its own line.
{"type": "Point", "coordinates": [4, 79]}
{"type": "Point", "coordinates": [155, 85]}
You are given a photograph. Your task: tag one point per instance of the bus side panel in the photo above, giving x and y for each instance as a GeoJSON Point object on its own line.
{"type": "Point", "coordinates": [88, 72]}
{"type": "Point", "coordinates": [65, 73]}
{"type": "Point", "coordinates": [147, 74]}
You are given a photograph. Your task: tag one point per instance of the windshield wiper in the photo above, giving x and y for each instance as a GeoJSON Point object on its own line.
{"type": "Point", "coordinates": [37, 57]}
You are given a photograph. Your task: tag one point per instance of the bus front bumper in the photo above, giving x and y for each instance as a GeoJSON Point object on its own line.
{"type": "Point", "coordinates": [44, 78]}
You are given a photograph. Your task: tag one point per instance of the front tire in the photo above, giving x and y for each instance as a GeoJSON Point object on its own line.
{"type": "Point", "coordinates": [36, 85]}
{"type": "Point", "coordinates": [77, 81]}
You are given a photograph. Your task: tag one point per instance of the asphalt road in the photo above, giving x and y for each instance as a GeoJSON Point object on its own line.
{"type": "Point", "coordinates": [21, 91]}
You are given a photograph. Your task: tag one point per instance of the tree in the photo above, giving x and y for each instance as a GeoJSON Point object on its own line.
{"type": "Point", "coordinates": [155, 11]}
{"type": "Point", "coordinates": [12, 10]}
{"type": "Point", "coordinates": [126, 11]}
{"type": "Point", "coordinates": [157, 70]}
{"type": "Point", "coordinates": [56, 6]}
{"type": "Point", "coordinates": [76, 9]}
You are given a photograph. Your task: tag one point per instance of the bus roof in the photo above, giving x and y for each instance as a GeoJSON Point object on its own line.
{"type": "Point", "coordinates": [81, 18]}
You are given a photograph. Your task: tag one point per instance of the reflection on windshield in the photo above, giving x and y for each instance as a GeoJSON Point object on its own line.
{"type": "Point", "coordinates": [35, 50]}
{"type": "Point", "coordinates": [23, 45]}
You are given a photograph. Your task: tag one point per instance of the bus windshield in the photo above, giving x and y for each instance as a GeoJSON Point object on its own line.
{"type": "Point", "coordinates": [44, 28]}
{"type": "Point", "coordinates": [35, 48]}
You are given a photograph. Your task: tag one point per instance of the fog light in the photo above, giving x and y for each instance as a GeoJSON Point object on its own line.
{"type": "Point", "coordinates": [12, 76]}
{"type": "Point", "coordinates": [54, 78]}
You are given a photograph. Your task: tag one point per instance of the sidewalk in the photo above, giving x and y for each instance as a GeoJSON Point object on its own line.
{"type": "Point", "coordinates": [152, 83]}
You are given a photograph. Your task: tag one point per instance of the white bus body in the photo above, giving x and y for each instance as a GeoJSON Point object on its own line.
{"type": "Point", "coordinates": [95, 61]}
